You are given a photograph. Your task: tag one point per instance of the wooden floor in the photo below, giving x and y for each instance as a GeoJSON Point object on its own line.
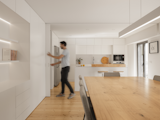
{"type": "Point", "coordinates": [53, 108]}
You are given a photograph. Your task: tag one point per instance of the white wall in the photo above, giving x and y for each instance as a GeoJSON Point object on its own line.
{"type": "Point", "coordinates": [36, 88]}
{"type": "Point", "coordinates": [48, 60]}
{"type": "Point", "coordinates": [153, 61]}
{"type": "Point", "coordinates": [132, 59]}
{"type": "Point", "coordinates": [55, 42]}
{"type": "Point", "coordinates": [150, 34]}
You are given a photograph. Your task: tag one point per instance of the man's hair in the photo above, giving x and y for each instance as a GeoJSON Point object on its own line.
{"type": "Point", "coordinates": [63, 43]}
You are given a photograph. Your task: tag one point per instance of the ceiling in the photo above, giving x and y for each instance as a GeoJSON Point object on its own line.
{"type": "Point", "coordinates": [84, 18]}
{"type": "Point", "coordinates": [87, 30]}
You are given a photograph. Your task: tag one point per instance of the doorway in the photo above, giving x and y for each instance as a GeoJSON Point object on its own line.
{"type": "Point", "coordinates": [142, 59]}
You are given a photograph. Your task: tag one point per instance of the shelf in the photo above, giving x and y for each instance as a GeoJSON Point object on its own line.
{"type": "Point", "coordinates": [108, 65]}
{"type": "Point", "coordinates": [9, 40]}
{"type": "Point", "coordinates": [3, 62]}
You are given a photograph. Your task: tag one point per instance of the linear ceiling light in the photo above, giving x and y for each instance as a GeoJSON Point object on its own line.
{"type": "Point", "coordinates": [5, 21]}
{"type": "Point", "coordinates": [140, 26]}
{"type": "Point", "coordinates": [5, 41]}
{"type": "Point", "coordinates": [152, 17]}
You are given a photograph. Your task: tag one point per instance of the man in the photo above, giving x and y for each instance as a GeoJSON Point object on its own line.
{"type": "Point", "coordinates": [65, 69]}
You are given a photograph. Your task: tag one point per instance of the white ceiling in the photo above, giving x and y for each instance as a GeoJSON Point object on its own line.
{"type": "Point", "coordinates": [82, 11]}
{"type": "Point", "coordinates": [88, 30]}
{"type": "Point", "coordinates": [71, 18]}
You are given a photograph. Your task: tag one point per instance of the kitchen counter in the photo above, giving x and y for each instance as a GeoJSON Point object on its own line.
{"type": "Point", "coordinates": [108, 65]}
{"type": "Point", "coordinates": [102, 65]}
{"type": "Point", "coordinates": [93, 70]}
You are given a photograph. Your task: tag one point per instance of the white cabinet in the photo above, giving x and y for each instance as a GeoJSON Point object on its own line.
{"type": "Point", "coordinates": [98, 49]}
{"type": "Point", "coordinates": [98, 42]}
{"type": "Point", "coordinates": [119, 41]}
{"type": "Point", "coordinates": [107, 49]}
{"type": "Point", "coordinates": [81, 49]}
{"type": "Point", "coordinates": [7, 104]}
{"type": "Point", "coordinates": [72, 51]}
{"type": "Point", "coordinates": [107, 41]}
{"type": "Point", "coordinates": [90, 49]}
{"type": "Point", "coordinates": [119, 49]}
{"type": "Point", "coordinates": [90, 41]}
{"type": "Point", "coordinates": [10, 4]}
{"type": "Point", "coordinates": [81, 42]}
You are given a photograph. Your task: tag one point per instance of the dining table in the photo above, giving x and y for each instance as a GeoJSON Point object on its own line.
{"type": "Point", "coordinates": [124, 98]}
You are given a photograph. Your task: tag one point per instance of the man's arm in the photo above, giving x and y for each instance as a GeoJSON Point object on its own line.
{"type": "Point", "coordinates": [53, 64]}
{"type": "Point", "coordinates": [56, 57]}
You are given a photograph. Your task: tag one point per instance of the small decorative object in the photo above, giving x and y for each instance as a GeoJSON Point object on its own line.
{"type": "Point", "coordinates": [79, 60]}
{"type": "Point", "coordinates": [104, 60]}
{"type": "Point", "coordinates": [13, 55]}
{"type": "Point", "coordinates": [9, 55]}
{"type": "Point", "coordinates": [154, 47]}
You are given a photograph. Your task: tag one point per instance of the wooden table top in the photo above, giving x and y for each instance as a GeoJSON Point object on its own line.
{"type": "Point", "coordinates": [124, 98]}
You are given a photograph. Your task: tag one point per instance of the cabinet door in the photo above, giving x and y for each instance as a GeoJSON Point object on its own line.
{"type": "Point", "coordinates": [90, 41]}
{"type": "Point", "coordinates": [98, 49]}
{"type": "Point", "coordinates": [119, 41]}
{"type": "Point", "coordinates": [81, 42]}
{"type": "Point", "coordinates": [81, 49]}
{"type": "Point", "coordinates": [90, 49]}
{"type": "Point", "coordinates": [72, 51]}
{"type": "Point", "coordinates": [98, 41]}
{"type": "Point", "coordinates": [107, 41]}
{"type": "Point", "coordinates": [119, 49]}
{"type": "Point", "coordinates": [107, 49]}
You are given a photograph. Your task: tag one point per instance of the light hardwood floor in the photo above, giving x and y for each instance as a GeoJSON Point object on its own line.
{"type": "Point", "coordinates": [53, 108]}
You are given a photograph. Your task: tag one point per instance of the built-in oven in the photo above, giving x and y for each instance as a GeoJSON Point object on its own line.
{"type": "Point", "coordinates": [118, 59]}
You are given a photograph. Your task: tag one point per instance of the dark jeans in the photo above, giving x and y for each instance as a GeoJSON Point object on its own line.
{"type": "Point", "coordinates": [64, 79]}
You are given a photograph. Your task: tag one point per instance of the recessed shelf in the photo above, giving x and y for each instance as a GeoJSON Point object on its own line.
{"type": "Point", "coordinates": [8, 40]}
{"type": "Point", "coordinates": [4, 62]}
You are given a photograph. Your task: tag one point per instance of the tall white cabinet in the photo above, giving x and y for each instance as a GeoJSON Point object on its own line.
{"type": "Point", "coordinates": [100, 46]}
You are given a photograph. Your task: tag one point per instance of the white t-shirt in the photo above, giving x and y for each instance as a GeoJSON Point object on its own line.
{"type": "Point", "coordinates": [65, 60]}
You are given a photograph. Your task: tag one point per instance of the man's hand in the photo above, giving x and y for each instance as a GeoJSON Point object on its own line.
{"type": "Point", "coordinates": [49, 54]}
{"type": "Point", "coordinates": [53, 64]}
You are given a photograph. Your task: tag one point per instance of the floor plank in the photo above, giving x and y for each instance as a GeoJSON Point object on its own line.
{"type": "Point", "coordinates": [53, 108]}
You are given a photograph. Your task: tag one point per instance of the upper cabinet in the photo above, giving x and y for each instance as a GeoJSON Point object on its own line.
{"type": "Point", "coordinates": [81, 41]}
{"type": "Point", "coordinates": [98, 42]}
{"type": "Point", "coordinates": [97, 49]}
{"type": "Point", "coordinates": [119, 41]}
{"type": "Point", "coordinates": [107, 42]}
{"type": "Point", "coordinates": [90, 42]}
{"type": "Point", "coordinates": [80, 49]}
{"type": "Point", "coordinates": [100, 46]}
{"type": "Point", "coordinates": [119, 49]}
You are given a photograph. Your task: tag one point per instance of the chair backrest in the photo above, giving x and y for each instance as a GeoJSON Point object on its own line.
{"type": "Point", "coordinates": [81, 81]}
{"type": "Point", "coordinates": [88, 115]}
{"type": "Point", "coordinates": [157, 78]}
{"type": "Point", "coordinates": [80, 77]}
{"type": "Point", "coordinates": [112, 74]}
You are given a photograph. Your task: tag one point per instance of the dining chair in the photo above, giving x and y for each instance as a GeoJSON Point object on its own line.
{"type": "Point", "coordinates": [157, 78]}
{"type": "Point", "coordinates": [112, 74]}
{"type": "Point", "coordinates": [89, 113]}
{"type": "Point", "coordinates": [81, 83]}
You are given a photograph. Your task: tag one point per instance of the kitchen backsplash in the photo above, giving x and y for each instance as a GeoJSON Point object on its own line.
{"type": "Point", "coordinates": [88, 59]}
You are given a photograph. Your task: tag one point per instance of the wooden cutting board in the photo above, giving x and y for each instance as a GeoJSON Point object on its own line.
{"type": "Point", "coordinates": [104, 60]}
